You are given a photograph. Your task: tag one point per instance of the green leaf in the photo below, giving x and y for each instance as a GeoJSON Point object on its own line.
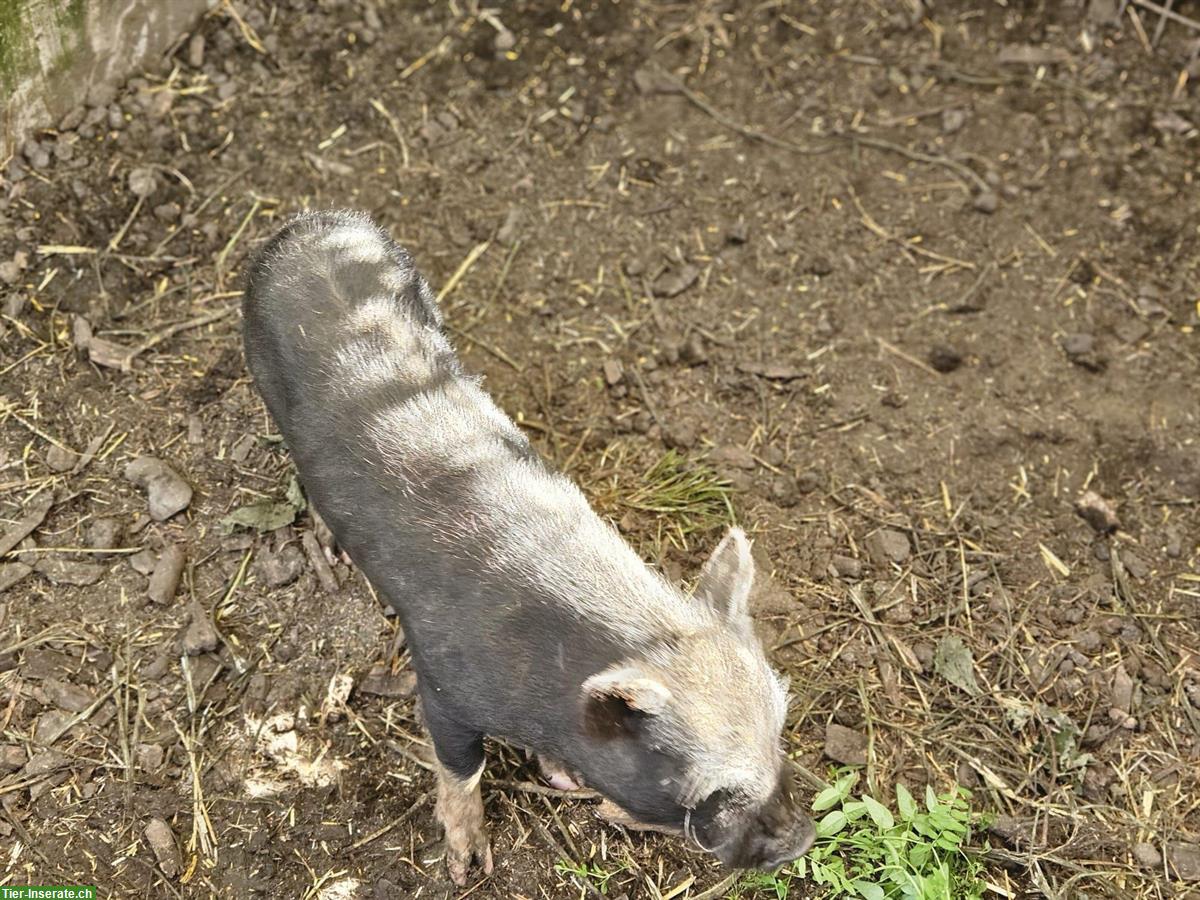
{"type": "Point", "coordinates": [266, 515]}
{"type": "Point", "coordinates": [829, 797]}
{"type": "Point", "coordinates": [954, 662]}
{"type": "Point", "coordinates": [868, 891]}
{"type": "Point", "coordinates": [931, 800]}
{"type": "Point", "coordinates": [831, 824]}
{"type": "Point", "coordinates": [295, 495]}
{"type": "Point", "coordinates": [905, 803]}
{"type": "Point", "coordinates": [879, 813]}
{"type": "Point", "coordinates": [854, 809]}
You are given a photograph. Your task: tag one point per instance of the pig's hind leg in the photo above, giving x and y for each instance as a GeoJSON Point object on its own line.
{"type": "Point", "coordinates": [459, 766]}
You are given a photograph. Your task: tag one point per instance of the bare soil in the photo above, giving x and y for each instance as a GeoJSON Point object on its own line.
{"type": "Point", "coordinates": [913, 282]}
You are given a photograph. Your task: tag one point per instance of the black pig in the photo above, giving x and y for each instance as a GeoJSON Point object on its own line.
{"type": "Point", "coordinates": [528, 617]}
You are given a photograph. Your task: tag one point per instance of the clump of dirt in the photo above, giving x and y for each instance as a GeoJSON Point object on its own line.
{"type": "Point", "coordinates": [906, 286]}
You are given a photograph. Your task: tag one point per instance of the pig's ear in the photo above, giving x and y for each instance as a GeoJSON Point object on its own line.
{"type": "Point", "coordinates": [727, 577]}
{"type": "Point", "coordinates": [614, 697]}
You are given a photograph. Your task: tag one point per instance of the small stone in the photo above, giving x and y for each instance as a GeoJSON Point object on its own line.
{"type": "Point", "coordinates": [67, 696]}
{"type": "Point", "coordinates": [1122, 691]}
{"type": "Point", "coordinates": [162, 842]}
{"type": "Point", "coordinates": [820, 266]}
{"type": "Point", "coordinates": [382, 683]}
{"type": "Point", "coordinates": [167, 212]}
{"type": "Point", "coordinates": [1134, 565]}
{"type": "Point", "coordinates": [280, 568]}
{"type": "Point", "coordinates": [104, 534]}
{"type": "Point", "coordinates": [847, 567]}
{"type": "Point", "coordinates": [44, 762]}
{"type": "Point", "coordinates": [51, 725]}
{"type": "Point", "coordinates": [240, 451]}
{"type": "Point", "coordinates": [1101, 551]}
{"type": "Point", "coordinates": [156, 669]}
{"type": "Point", "coordinates": [888, 546]}
{"type": "Point", "coordinates": [784, 491]}
{"type": "Point", "coordinates": [614, 372]}
{"type": "Point", "coordinates": [12, 757]}
{"type": "Point", "coordinates": [508, 231]}
{"type": "Point", "coordinates": [680, 436]}
{"type": "Point", "coordinates": [167, 491]}
{"type": "Point", "coordinates": [738, 233]}
{"type": "Point", "coordinates": [13, 573]}
{"type": "Point", "coordinates": [809, 480]}
{"type": "Point", "coordinates": [1080, 349]}
{"type": "Point", "coordinates": [674, 282]}
{"type": "Point", "coordinates": [73, 119]}
{"type": "Point", "coordinates": [142, 181]}
{"type": "Point", "coordinates": [692, 351]}
{"type": "Point", "coordinates": [986, 202]}
{"type": "Point", "coordinates": [1088, 641]}
{"type": "Point", "coordinates": [60, 459]}
{"type": "Point", "coordinates": [944, 359]}
{"type": "Point", "coordinates": [195, 51]}
{"type": "Point", "coordinates": [164, 579]}
{"type": "Point", "coordinates": [844, 745]}
{"type": "Point", "coordinates": [59, 570]}
{"type": "Point", "coordinates": [9, 273]}
{"type": "Point", "coordinates": [953, 119]}
{"type": "Point", "coordinates": [649, 80]}
{"type": "Point", "coordinates": [149, 756]}
{"type": "Point", "coordinates": [1147, 856]}
{"type": "Point", "coordinates": [1174, 545]}
{"type": "Point", "coordinates": [201, 636]}
{"type": "Point", "coordinates": [1097, 512]}
{"type": "Point", "coordinates": [143, 561]}
{"type": "Point", "coordinates": [732, 455]}
{"type": "Point", "coordinates": [1184, 861]}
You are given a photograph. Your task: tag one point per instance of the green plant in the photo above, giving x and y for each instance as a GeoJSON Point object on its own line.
{"type": "Point", "coordinates": [763, 884]}
{"type": "Point", "coordinates": [865, 851]}
{"type": "Point", "coordinates": [594, 874]}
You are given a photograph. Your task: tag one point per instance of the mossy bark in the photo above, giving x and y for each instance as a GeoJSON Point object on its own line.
{"type": "Point", "coordinates": [53, 51]}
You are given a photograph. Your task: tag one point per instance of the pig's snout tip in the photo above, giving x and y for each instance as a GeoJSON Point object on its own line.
{"type": "Point", "coordinates": [787, 848]}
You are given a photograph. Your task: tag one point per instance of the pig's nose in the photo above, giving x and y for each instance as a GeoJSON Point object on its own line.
{"type": "Point", "coordinates": [789, 846]}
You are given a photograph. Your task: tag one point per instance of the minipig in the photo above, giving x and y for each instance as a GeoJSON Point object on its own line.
{"type": "Point", "coordinates": [528, 617]}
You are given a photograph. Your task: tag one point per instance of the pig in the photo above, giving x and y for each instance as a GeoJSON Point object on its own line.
{"type": "Point", "coordinates": [529, 618]}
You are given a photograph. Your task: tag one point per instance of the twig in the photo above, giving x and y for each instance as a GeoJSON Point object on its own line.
{"type": "Point", "coordinates": [1168, 14]}
{"type": "Point", "coordinates": [917, 156]}
{"type": "Point", "coordinates": [733, 125]}
{"type": "Point", "coordinates": [878, 229]}
{"type": "Point", "coordinates": [395, 823]}
{"type": "Point", "coordinates": [490, 348]}
{"type": "Point", "coordinates": [912, 360]}
{"type": "Point", "coordinates": [237, 235]}
{"type": "Point", "coordinates": [476, 252]}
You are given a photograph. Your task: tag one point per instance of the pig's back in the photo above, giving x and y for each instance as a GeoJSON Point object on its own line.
{"type": "Point", "coordinates": [437, 495]}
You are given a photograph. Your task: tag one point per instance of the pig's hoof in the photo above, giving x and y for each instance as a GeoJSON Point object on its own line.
{"type": "Point", "coordinates": [561, 781]}
{"type": "Point", "coordinates": [557, 776]}
{"type": "Point", "coordinates": [465, 849]}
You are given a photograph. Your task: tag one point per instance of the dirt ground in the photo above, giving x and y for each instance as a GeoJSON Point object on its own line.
{"type": "Point", "coordinates": [913, 280]}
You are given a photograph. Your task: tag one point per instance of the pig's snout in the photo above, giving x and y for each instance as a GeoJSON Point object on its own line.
{"type": "Point", "coordinates": [765, 838]}
{"type": "Point", "coordinates": [770, 845]}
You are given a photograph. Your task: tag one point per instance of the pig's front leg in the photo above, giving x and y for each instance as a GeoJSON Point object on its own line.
{"type": "Point", "coordinates": [460, 810]}
{"type": "Point", "coordinates": [459, 766]}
